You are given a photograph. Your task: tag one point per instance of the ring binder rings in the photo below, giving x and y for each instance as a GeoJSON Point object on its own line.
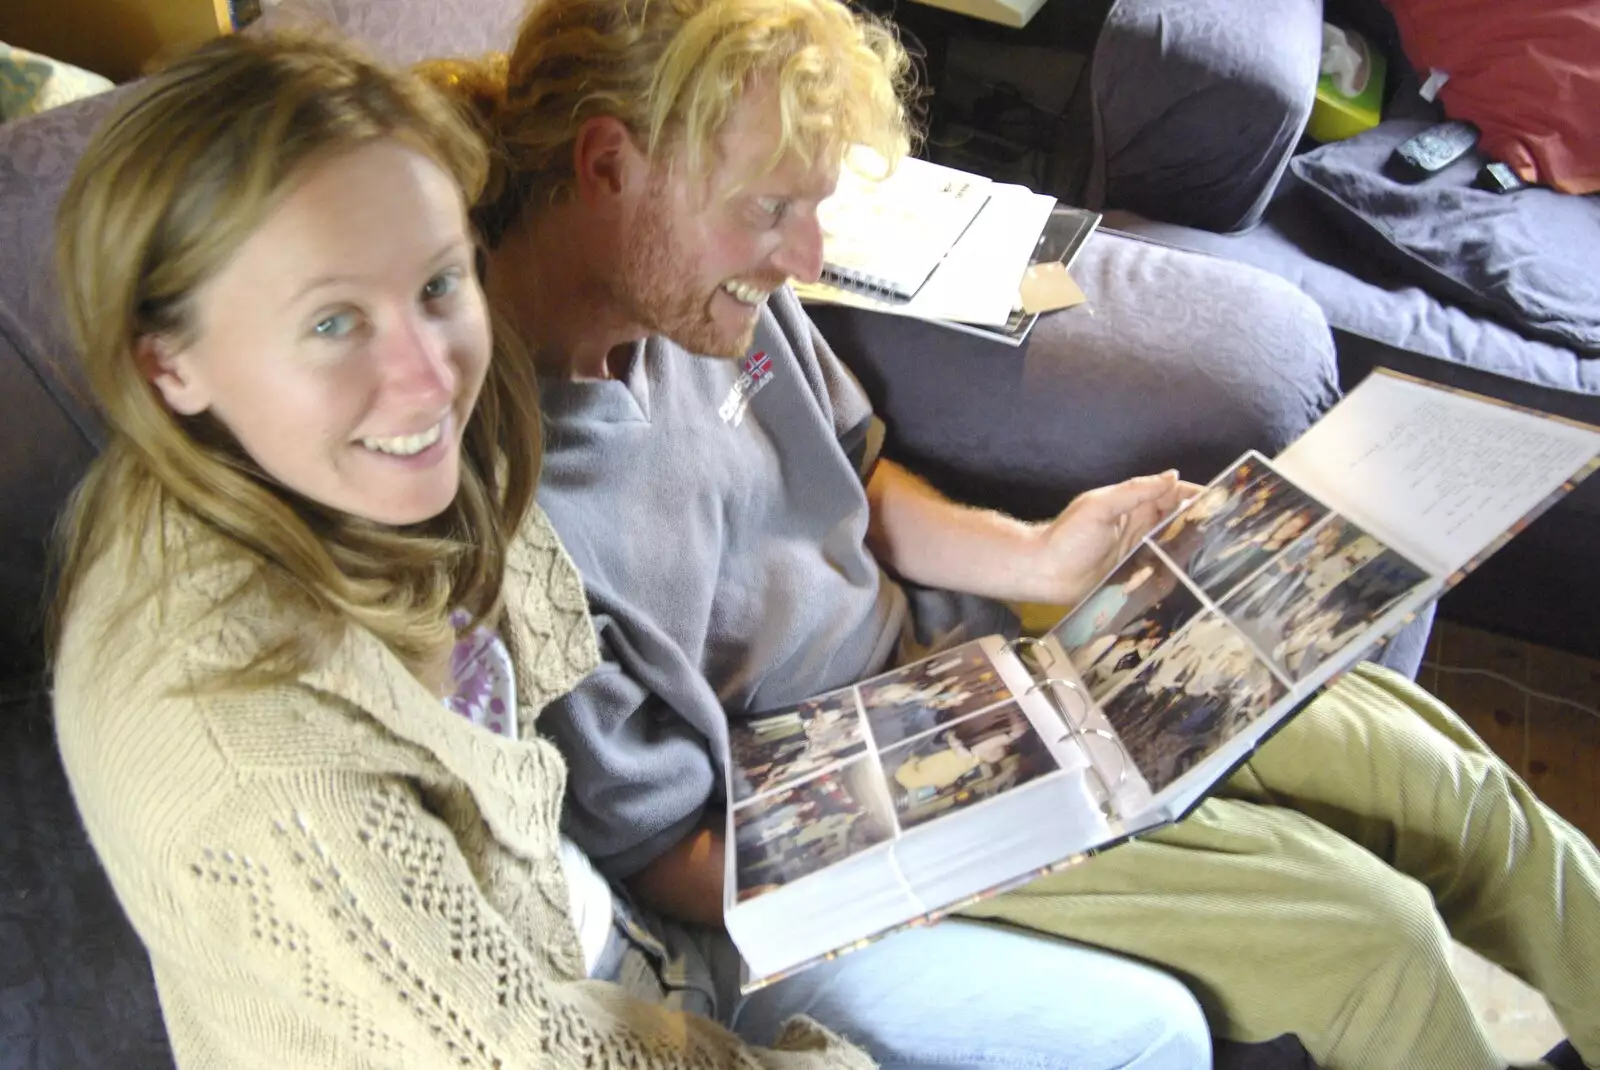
{"type": "Point", "coordinates": [1076, 733]}
{"type": "Point", "coordinates": [1108, 792]}
{"type": "Point", "coordinates": [1040, 685]}
{"type": "Point", "coordinates": [1037, 646]}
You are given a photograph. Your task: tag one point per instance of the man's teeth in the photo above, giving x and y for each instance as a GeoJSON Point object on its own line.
{"type": "Point", "coordinates": [406, 445]}
{"type": "Point", "coordinates": [745, 293]}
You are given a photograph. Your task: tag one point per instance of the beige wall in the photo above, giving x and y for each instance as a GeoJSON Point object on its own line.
{"type": "Point", "coordinates": [115, 38]}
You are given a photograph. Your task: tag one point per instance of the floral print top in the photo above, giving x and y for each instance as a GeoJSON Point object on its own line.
{"type": "Point", "coordinates": [484, 689]}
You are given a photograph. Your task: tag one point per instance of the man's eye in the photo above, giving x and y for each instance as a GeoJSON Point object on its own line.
{"type": "Point", "coordinates": [441, 285]}
{"type": "Point", "coordinates": [335, 326]}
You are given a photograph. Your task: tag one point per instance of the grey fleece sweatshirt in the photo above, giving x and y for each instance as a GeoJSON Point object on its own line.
{"type": "Point", "coordinates": [724, 558]}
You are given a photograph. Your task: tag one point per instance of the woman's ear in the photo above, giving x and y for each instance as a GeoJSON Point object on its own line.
{"type": "Point", "coordinates": [171, 369]}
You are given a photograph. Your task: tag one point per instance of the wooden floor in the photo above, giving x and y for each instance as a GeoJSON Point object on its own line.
{"type": "Point", "coordinates": [1554, 746]}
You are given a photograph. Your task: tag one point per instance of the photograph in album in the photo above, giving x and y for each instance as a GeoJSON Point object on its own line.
{"type": "Point", "coordinates": [968, 762]}
{"type": "Point", "coordinates": [819, 822]}
{"type": "Point", "coordinates": [1117, 628]}
{"type": "Point", "coordinates": [770, 751]}
{"type": "Point", "coordinates": [931, 693]}
{"type": "Point", "coordinates": [1237, 525]}
{"type": "Point", "coordinates": [1324, 591]}
{"type": "Point", "coordinates": [1203, 688]}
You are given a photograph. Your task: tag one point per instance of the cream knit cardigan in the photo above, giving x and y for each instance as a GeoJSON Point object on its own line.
{"type": "Point", "coordinates": [339, 872]}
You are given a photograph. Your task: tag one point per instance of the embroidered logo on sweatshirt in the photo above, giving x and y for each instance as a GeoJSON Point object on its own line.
{"type": "Point", "coordinates": [755, 373]}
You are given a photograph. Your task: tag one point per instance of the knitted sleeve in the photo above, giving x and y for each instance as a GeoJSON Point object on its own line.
{"type": "Point", "coordinates": [349, 907]}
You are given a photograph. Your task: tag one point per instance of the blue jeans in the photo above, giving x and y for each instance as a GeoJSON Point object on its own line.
{"type": "Point", "coordinates": [959, 995]}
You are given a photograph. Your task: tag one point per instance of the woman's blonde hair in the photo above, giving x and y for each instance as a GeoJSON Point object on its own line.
{"type": "Point", "coordinates": [673, 71]}
{"type": "Point", "coordinates": [168, 189]}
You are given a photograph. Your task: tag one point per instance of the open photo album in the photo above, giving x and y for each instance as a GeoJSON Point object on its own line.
{"type": "Point", "coordinates": [899, 799]}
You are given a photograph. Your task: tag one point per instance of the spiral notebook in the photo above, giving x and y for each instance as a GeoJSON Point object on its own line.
{"type": "Point", "coordinates": [899, 799]}
{"type": "Point", "coordinates": [883, 238]}
{"type": "Point", "coordinates": [962, 284]}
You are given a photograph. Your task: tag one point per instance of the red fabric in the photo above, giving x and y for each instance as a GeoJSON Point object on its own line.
{"type": "Point", "coordinates": [1527, 72]}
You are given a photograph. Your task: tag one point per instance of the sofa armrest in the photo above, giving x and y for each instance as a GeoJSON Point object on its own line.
{"type": "Point", "coordinates": [1177, 360]}
{"type": "Point", "coordinates": [1198, 106]}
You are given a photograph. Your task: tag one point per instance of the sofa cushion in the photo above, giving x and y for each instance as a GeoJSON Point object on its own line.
{"type": "Point", "coordinates": [1364, 296]}
{"type": "Point", "coordinates": [1525, 257]}
{"type": "Point", "coordinates": [1524, 72]}
{"type": "Point", "coordinates": [1143, 376]}
{"type": "Point", "coordinates": [75, 984]}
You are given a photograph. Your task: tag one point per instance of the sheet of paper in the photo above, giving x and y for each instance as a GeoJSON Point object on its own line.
{"type": "Point", "coordinates": [1441, 474]}
{"type": "Point", "coordinates": [978, 280]}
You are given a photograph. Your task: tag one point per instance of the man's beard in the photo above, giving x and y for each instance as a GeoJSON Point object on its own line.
{"type": "Point", "coordinates": [656, 284]}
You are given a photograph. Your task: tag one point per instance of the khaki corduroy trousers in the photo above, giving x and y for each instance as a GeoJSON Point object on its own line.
{"type": "Point", "coordinates": [1317, 893]}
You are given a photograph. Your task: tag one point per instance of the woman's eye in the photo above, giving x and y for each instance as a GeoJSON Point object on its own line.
{"type": "Point", "coordinates": [335, 326]}
{"type": "Point", "coordinates": [774, 208]}
{"type": "Point", "coordinates": [441, 285]}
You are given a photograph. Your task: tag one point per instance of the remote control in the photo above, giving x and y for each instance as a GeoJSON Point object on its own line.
{"type": "Point", "coordinates": [1437, 147]}
{"type": "Point", "coordinates": [1499, 178]}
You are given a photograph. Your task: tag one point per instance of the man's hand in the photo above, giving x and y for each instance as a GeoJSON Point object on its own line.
{"type": "Point", "coordinates": [686, 882]}
{"type": "Point", "coordinates": [1098, 529]}
{"type": "Point", "coordinates": [924, 537]}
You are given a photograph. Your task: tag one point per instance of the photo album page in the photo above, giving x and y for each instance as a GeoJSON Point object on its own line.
{"type": "Point", "coordinates": [860, 810]}
{"type": "Point", "coordinates": [846, 771]}
{"type": "Point", "coordinates": [1281, 574]}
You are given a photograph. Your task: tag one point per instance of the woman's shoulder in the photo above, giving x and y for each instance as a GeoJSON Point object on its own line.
{"type": "Point", "coordinates": [151, 601]}
{"type": "Point", "coordinates": [163, 612]}
{"type": "Point", "coordinates": [132, 733]}
{"type": "Point", "coordinates": [152, 737]}
{"type": "Point", "coordinates": [547, 612]}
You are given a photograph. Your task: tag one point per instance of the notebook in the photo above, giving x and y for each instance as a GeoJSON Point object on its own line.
{"type": "Point", "coordinates": [1057, 234]}
{"type": "Point", "coordinates": [885, 237]}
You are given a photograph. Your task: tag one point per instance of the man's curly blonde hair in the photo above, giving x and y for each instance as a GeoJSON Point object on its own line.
{"type": "Point", "coordinates": [674, 71]}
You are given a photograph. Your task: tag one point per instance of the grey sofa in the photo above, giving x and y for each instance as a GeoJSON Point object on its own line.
{"type": "Point", "coordinates": [1197, 108]}
{"type": "Point", "coordinates": [1141, 379]}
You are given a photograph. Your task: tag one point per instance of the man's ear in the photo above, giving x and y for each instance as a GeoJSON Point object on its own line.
{"type": "Point", "coordinates": [170, 368]}
{"type": "Point", "coordinates": [606, 163]}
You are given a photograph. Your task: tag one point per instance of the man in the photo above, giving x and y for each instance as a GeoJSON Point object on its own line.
{"type": "Point", "coordinates": [585, 286]}
{"type": "Point", "coordinates": [715, 473]}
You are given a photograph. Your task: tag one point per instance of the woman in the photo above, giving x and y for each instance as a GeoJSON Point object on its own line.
{"type": "Point", "coordinates": [309, 612]}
